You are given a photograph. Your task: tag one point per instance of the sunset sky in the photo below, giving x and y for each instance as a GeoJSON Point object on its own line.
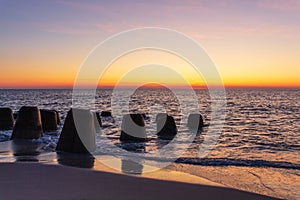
{"type": "Point", "coordinates": [252, 42]}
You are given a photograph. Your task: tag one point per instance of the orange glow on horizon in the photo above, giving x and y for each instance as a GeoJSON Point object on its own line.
{"type": "Point", "coordinates": [62, 76]}
{"type": "Point", "coordinates": [69, 84]}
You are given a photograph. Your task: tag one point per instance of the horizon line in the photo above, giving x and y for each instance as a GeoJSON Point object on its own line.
{"type": "Point", "coordinates": [157, 87]}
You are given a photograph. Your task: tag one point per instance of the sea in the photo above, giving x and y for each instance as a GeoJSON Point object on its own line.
{"type": "Point", "coordinates": [261, 127]}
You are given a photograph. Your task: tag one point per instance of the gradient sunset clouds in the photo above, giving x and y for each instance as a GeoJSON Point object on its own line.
{"type": "Point", "coordinates": [252, 42]}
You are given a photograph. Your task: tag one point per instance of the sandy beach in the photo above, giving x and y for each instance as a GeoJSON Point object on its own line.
{"type": "Point", "coordinates": [283, 184]}
{"type": "Point", "coordinates": [42, 181]}
{"type": "Point", "coordinates": [28, 172]}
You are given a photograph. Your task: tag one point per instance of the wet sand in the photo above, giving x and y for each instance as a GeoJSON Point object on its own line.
{"type": "Point", "coordinates": [26, 180]}
{"type": "Point", "coordinates": [273, 182]}
{"type": "Point", "coordinates": [28, 171]}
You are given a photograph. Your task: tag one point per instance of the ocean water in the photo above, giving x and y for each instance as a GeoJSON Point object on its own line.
{"type": "Point", "coordinates": [262, 126]}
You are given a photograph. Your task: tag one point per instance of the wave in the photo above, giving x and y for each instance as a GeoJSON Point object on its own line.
{"type": "Point", "coordinates": [237, 162]}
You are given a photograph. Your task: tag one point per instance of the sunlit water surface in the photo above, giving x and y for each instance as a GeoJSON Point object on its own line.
{"type": "Point", "coordinates": [261, 129]}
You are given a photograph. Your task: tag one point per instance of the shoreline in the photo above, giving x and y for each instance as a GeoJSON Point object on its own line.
{"type": "Point", "coordinates": [44, 181]}
{"type": "Point", "coordinates": [274, 182]}
{"type": "Point", "coordinates": [249, 179]}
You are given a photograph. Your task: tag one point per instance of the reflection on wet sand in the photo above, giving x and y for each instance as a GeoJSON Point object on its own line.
{"type": "Point", "coordinates": [131, 167]}
{"type": "Point", "coordinates": [26, 150]}
{"type": "Point", "coordinates": [75, 160]}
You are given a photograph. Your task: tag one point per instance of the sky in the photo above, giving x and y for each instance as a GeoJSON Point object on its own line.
{"type": "Point", "coordinates": [253, 43]}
